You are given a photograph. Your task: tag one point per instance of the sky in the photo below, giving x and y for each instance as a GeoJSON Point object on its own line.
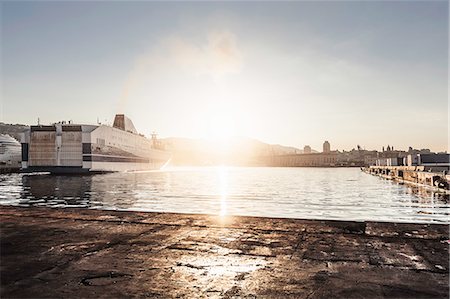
{"type": "Point", "coordinates": [367, 73]}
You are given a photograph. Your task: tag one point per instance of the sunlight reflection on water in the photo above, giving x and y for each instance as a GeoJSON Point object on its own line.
{"type": "Point", "coordinates": [310, 193]}
{"type": "Point", "coordinates": [223, 172]}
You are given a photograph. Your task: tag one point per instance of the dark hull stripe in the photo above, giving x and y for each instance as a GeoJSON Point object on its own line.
{"type": "Point", "coordinates": [57, 169]}
{"type": "Point", "coordinates": [89, 158]}
{"type": "Point", "coordinates": [42, 128]}
{"type": "Point", "coordinates": [71, 128]}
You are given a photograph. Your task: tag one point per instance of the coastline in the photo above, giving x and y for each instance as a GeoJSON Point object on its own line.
{"type": "Point", "coordinates": [74, 252]}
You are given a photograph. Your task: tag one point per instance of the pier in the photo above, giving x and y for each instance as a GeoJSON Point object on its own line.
{"type": "Point", "coordinates": [80, 253]}
{"type": "Point", "coordinates": [412, 175]}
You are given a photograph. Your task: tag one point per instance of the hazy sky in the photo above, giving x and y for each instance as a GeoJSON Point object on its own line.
{"type": "Point", "coordinates": [294, 73]}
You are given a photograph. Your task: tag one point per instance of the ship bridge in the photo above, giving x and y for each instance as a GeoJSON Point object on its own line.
{"type": "Point", "coordinates": [124, 123]}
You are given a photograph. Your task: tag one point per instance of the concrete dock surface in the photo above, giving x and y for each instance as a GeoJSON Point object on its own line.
{"type": "Point", "coordinates": [80, 253]}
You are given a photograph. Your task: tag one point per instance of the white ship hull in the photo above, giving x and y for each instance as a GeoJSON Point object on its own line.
{"type": "Point", "coordinates": [9, 152]}
{"type": "Point", "coordinates": [69, 148]}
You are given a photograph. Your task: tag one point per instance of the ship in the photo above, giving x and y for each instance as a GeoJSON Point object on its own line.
{"type": "Point", "coordinates": [10, 153]}
{"type": "Point", "coordinates": [68, 148]}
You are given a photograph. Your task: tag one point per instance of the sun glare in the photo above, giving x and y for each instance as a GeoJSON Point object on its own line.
{"type": "Point", "coordinates": [223, 173]}
{"type": "Point", "coordinates": [221, 128]}
{"type": "Point", "coordinates": [220, 132]}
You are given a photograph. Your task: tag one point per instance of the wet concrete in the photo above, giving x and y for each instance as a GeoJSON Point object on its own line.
{"type": "Point", "coordinates": [75, 253]}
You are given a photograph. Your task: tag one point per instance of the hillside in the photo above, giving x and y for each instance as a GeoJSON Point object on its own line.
{"type": "Point", "coordinates": [237, 151]}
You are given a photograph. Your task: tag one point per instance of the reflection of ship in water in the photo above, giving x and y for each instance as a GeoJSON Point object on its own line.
{"type": "Point", "coordinates": [73, 191]}
{"type": "Point", "coordinates": [57, 190]}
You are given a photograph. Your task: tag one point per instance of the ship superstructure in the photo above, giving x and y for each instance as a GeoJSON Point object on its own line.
{"type": "Point", "coordinates": [73, 148]}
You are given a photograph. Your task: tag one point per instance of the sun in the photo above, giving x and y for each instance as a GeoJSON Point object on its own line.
{"type": "Point", "coordinates": [221, 128]}
{"type": "Point", "coordinates": [221, 133]}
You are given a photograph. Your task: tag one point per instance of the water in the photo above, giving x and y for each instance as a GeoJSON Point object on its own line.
{"type": "Point", "coordinates": [309, 193]}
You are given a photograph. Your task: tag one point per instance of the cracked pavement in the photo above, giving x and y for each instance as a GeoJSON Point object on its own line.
{"type": "Point", "coordinates": [76, 253]}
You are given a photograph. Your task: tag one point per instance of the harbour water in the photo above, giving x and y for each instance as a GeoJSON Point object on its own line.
{"type": "Point", "coordinates": [308, 193]}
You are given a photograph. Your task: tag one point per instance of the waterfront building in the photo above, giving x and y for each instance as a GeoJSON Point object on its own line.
{"type": "Point", "coordinates": [434, 160]}
{"type": "Point", "coordinates": [381, 162]}
{"type": "Point", "coordinates": [307, 149]}
{"type": "Point", "coordinates": [428, 162]}
{"type": "Point", "coordinates": [369, 160]}
{"type": "Point", "coordinates": [395, 161]}
{"type": "Point", "coordinates": [412, 160]}
{"type": "Point", "coordinates": [326, 147]}
{"type": "Point", "coordinates": [357, 158]}
{"type": "Point", "coordinates": [305, 160]}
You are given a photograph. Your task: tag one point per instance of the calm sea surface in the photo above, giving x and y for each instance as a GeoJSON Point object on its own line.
{"type": "Point", "coordinates": [314, 193]}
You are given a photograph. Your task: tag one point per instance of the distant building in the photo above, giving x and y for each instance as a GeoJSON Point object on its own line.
{"type": "Point", "coordinates": [381, 162]}
{"type": "Point", "coordinates": [326, 147]}
{"type": "Point", "coordinates": [392, 161]}
{"type": "Point", "coordinates": [305, 160]}
{"type": "Point", "coordinates": [357, 158]}
{"type": "Point", "coordinates": [389, 162]}
{"type": "Point", "coordinates": [369, 160]}
{"type": "Point", "coordinates": [413, 151]}
{"type": "Point", "coordinates": [434, 160]}
{"type": "Point", "coordinates": [428, 162]}
{"type": "Point", "coordinates": [395, 161]}
{"type": "Point", "coordinates": [307, 149]}
{"type": "Point", "coordinates": [412, 160]}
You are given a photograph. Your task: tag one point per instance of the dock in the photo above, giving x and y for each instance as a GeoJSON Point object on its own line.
{"type": "Point", "coordinates": [81, 253]}
{"type": "Point", "coordinates": [415, 175]}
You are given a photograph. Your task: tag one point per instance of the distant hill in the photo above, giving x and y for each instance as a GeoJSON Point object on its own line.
{"type": "Point", "coordinates": [237, 151]}
{"type": "Point", "coordinates": [12, 129]}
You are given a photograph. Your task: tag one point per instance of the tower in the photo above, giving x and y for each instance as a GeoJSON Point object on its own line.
{"type": "Point", "coordinates": [326, 147]}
